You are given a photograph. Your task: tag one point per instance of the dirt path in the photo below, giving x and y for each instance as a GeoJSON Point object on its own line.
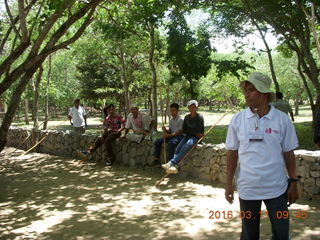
{"type": "Point", "coordinates": [49, 197]}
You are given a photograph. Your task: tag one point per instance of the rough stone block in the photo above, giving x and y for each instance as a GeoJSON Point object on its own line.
{"type": "Point", "coordinates": [315, 174]}
{"type": "Point", "coordinates": [214, 172]}
{"type": "Point", "coordinates": [318, 182]}
{"type": "Point", "coordinates": [310, 186]}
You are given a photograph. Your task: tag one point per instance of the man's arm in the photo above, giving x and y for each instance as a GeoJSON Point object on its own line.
{"type": "Point", "coordinates": [85, 120]}
{"type": "Point", "coordinates": [291, 114]}
{"type": "Point", "coordinates": [69, 116]}
{"type": "Point", "coordinates": [232, 160]}
{"type": "Point", "coordinates": [200, 127]}
{"type": "Point", "coordinates": [290, 161]}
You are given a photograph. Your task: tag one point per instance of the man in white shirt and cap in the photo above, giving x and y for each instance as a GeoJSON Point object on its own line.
{"type": "Point", "coordinates": [78, 116]}
{"type": "Point", "coordinates": [260, 143]}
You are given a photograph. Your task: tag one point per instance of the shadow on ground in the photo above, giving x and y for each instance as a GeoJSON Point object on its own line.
{"type": "Point", "coordinates": [48, 197]}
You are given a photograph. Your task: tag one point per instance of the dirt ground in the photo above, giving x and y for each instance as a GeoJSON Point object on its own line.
{"type": "Point", "coordinates": [49, 197]}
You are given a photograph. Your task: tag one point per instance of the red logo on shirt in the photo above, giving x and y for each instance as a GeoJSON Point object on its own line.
{"type": "Point", "coordinates": [268, 130]}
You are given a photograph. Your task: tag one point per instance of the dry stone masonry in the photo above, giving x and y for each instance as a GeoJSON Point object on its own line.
{"type": "Point", "coordinates": [207, 162]}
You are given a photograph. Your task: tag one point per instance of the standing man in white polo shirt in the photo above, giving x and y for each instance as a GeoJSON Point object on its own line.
{"type": "Point", "coordinates": [260, 143]}
{"type": "Point", "coordinates": [78, 116]}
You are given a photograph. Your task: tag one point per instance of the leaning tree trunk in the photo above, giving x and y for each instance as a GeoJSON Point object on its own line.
{"type": "Point", "coordinates": [154, 76]}
{"type": "Point", "coordinates": [13, 105]}
{"type": "Point", "coordinates": [35, 59]}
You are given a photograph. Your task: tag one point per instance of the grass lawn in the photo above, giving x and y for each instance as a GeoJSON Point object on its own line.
{"type": "Point", "coordinates": [303, 129]}
{"type": "Point", "coordinates": [216, 136]}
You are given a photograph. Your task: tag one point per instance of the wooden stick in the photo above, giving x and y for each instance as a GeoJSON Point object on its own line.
{"type": "Point", "coordinates": [40, 140]}
{"type": "Point", "coordinates": [161, 180]}
{"type": "Point", "coordinates": [165, 150]}
{"type": "Point", "coordinates": [193, 147]}
{"type": "Point", "coordinates": [34, 146]}
{"type": "Point", "coordinates": [30, 135]}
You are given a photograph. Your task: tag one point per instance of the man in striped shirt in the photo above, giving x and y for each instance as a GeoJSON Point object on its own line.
{"type": "Point", "coordinates": [114, 124]}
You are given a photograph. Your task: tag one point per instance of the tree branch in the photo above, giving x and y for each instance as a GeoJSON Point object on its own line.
{"type": "Point", "coordinates": [4, 40]}
{"type": "Point", "coordinates": [13, 23]}
{"type": "Point", "coordinates": [23, 23]}
{"type": "Point", "coordinates": [78, 34]}
{"type": "Point", "coordinates": [47, 27]}
{"type": "Point", "coordinates": [34, 59]}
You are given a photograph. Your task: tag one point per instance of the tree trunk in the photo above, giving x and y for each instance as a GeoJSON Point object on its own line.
{"type": "Point", "coordinates": [125, 83]}
{"type": "Point", "coordinates": [192, 92]}
{"type": "Point", "coordinates": [46, 110]}
{"type": "Point", "coordinates": [296, 106]}
{"type": "Point", "coordinates": [34, 60]}
{"type": "Point", "coordinates": [154, 76]}
{"type": "Point", "coordinates": [36, 99]}
{"type": "Point", "coordinates": [26, 111]}
{"type": "Point", "coordinates": [150, 102]}
{"type": "Point", "coordinates": [167, 113]}
{"type": "Point", "coordinates": [268, 50]}
{"type": "Point", "coordinates": [13, 105]}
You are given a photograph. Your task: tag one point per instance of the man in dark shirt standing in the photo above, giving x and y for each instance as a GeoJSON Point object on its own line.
{"type": "Point", "coordinates": [193, 129]}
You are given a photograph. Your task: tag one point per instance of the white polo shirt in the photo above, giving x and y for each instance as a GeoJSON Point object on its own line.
{"type": "Point", "coordinates": [261, 172]}
{"type": "Point", "coordinates": [176, 124]}
{"type": "Point", "coordinates": [77, 115]}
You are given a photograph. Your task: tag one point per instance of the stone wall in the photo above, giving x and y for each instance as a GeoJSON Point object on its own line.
{"type": "Point", "coordinates": [206, 162]}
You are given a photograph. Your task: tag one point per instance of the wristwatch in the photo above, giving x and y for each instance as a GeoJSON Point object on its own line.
{"type": "Point", "coordinates": [290, 180]}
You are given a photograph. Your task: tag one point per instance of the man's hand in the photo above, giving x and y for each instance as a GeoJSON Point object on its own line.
{"type": "Point", "coordinates": [199, 135]}
{"type": "Point", "coordinates": [293, 194]}
{"type": "Point", "coordinates": [165, 135]}
{"type": "Point", "coordinates": [164, 129]}
{"type": "Point", "coordinates": [229, 193]}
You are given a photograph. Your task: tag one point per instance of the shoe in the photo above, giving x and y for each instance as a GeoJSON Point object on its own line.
{"type": "Point", "coordinates": [172, 170]}
{"type": "Point", "coordinates": [83, 155]}
{"type": "Point", "coordinates": [166, 166]}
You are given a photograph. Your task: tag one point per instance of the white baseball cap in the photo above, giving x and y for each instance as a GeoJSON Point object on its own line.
{"type": "Point", "coordinates": [192, 102]}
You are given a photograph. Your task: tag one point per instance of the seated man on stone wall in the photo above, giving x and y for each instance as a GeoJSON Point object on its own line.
{"type": "Point", "coordinates": [193, 130]}
{"type": "Point", "coordinates": [171, 136]}
{"type": "Point", "coordinates": [139, 123]}
{"type": "Point", "coordinates": [114, 124]}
